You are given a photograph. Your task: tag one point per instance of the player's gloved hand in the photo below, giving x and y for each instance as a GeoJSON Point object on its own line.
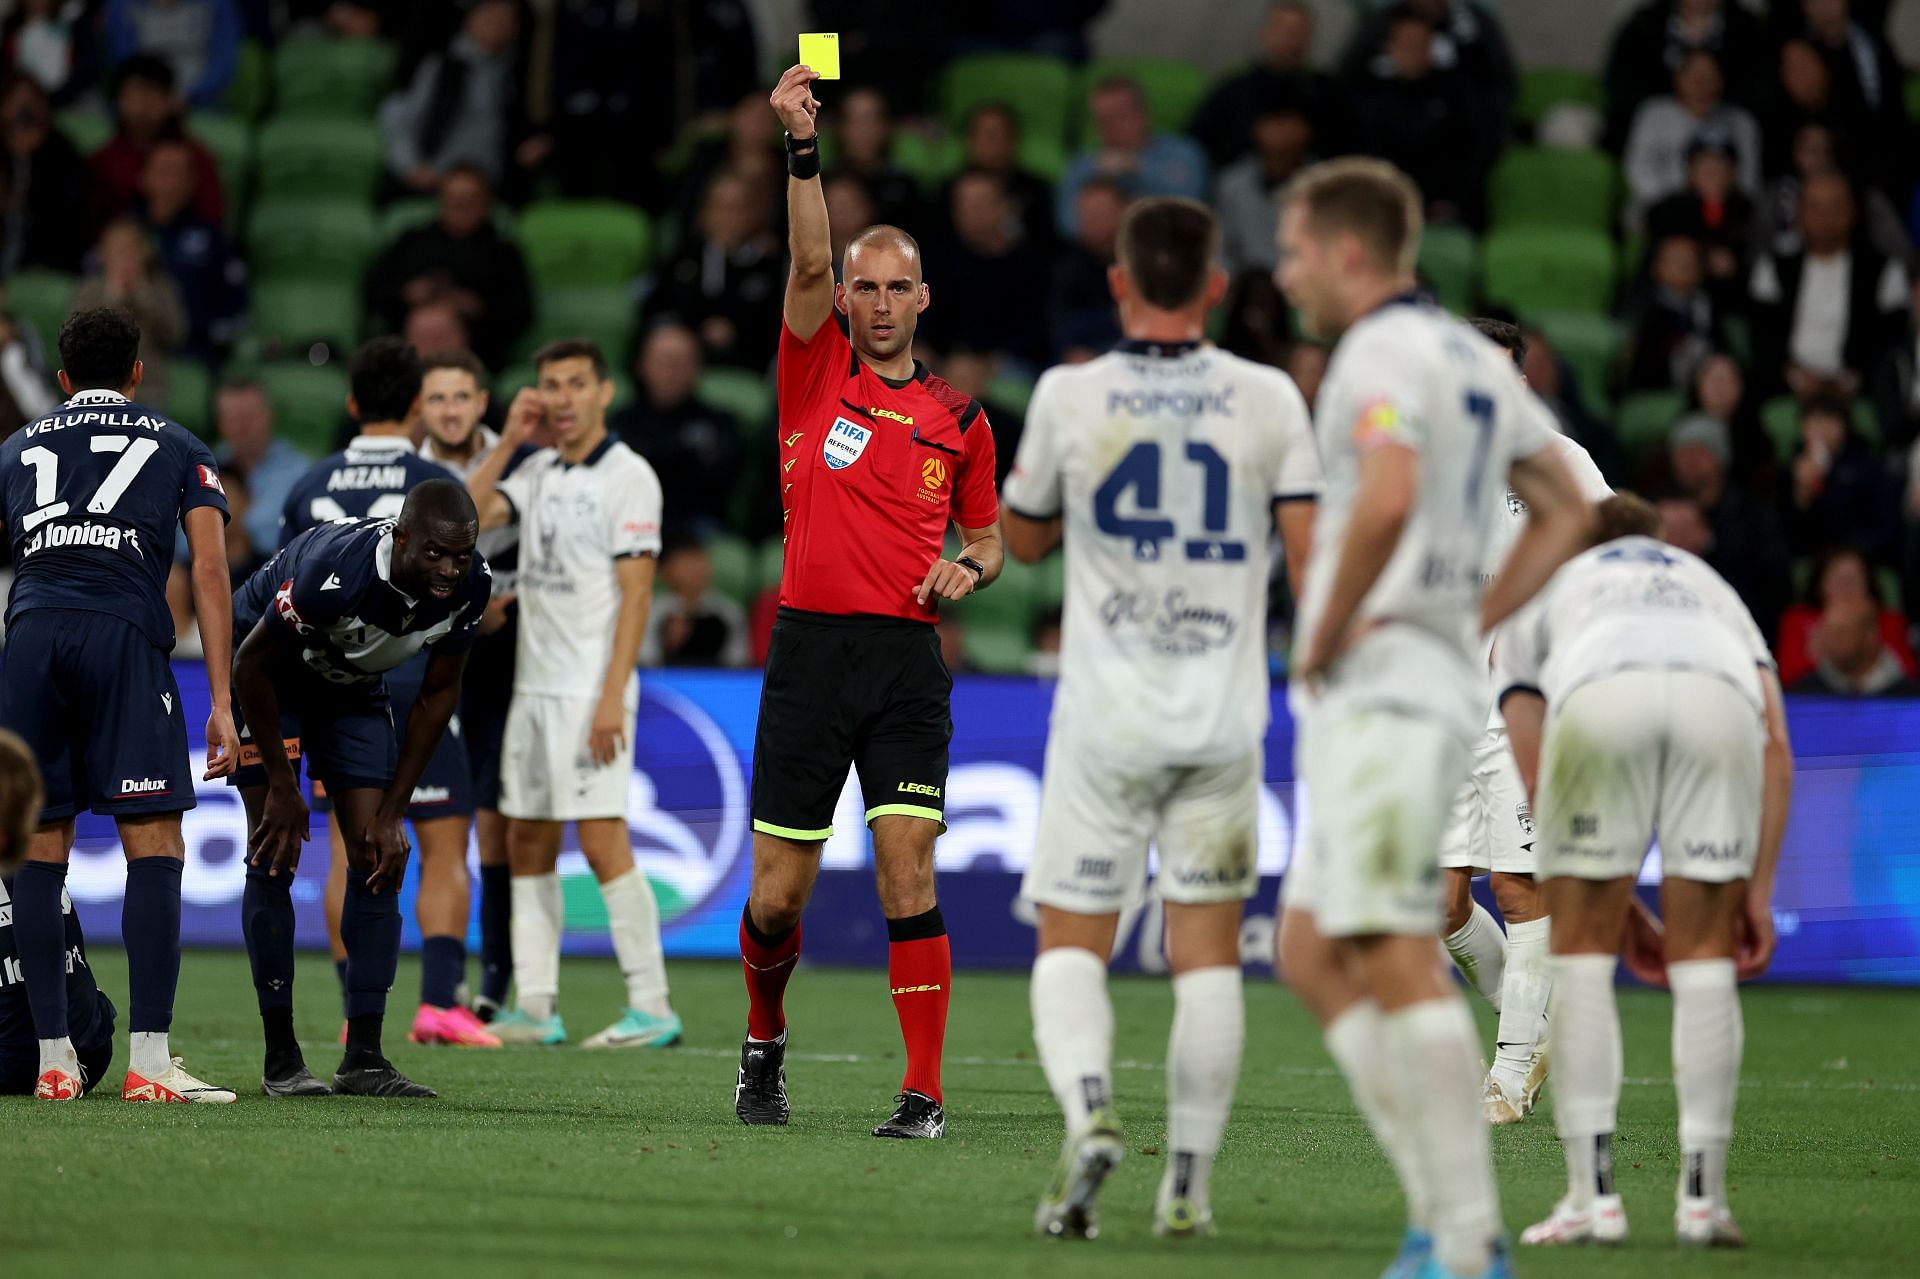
{"type": "Point", "coordinates": [275, 842]}
{"type": "Point", "coordinates": [947, 580]}
{"type": "Point", "coordinates": [607, 734]}
{"type": "Point", "coordinates": [223, 744]}
{"type": "Point", "coordinates": [387, 852]}
{"type": "Point", "coordinates": [1753, 934]}
{"type": "Point", "coordinates": [1643, 945]}
{"type": "Point", "coordinates": [793, 101]}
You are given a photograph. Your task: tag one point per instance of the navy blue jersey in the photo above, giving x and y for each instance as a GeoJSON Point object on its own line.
{"type": "Point", "coordinates": [370, 478]}
{"type": "Point", "coordinates": [332, 587]}
{"type": "Point", "coordinates": [93, 493]}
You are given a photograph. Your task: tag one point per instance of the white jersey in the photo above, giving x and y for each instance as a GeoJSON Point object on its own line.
{"type": "Point", "coordinates": [495, 543]}
{"type": "Point", "coordinates": [575, 521]}
{"type": "Point", "coordinates": [1166, 462]}
{"type": "Point", "coordinates": [1410, 375]}
{"type": "Point", "coordinates": [1632, 604]}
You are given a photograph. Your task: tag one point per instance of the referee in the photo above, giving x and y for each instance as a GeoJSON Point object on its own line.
{"type": "Point", "coordinates": [877, 457]}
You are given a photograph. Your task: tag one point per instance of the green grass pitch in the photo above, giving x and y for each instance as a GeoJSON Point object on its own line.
{"type": "Point", "coordinates": [555, 1162]}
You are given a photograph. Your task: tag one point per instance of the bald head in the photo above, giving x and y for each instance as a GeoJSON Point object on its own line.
{"type": "Point", "coordinates": [438, 502]}
{"type": "Point", "coordinates": [882, 238]}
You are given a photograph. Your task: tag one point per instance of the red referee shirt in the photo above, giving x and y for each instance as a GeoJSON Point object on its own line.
{"type": "Point", "coordinates": [871, 473]}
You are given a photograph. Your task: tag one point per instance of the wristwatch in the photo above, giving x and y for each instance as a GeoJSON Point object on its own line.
{"type": "Point", "coordinates": [979, 570]}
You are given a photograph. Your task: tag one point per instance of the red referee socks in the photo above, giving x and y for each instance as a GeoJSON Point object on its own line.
{"type": "Point", "coordinates": [920, 973]}
{"type": "Point", "coordinates": [768, 964]}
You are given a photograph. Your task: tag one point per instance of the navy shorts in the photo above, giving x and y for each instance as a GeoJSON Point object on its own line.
{"type": "Point", "coordinates": [445, 789]}
{"type": "Point", "coordinates": [93, 1044]}
{"type": "Point", "coordinates": [96, 701]}
{"type": "Point", "coordinates": [485, 698]}
{"type": "Point", "coordinates": [344, 732]}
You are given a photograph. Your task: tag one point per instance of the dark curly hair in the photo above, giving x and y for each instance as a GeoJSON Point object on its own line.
{"type": "Point", "coordinates": [385, 374]}
{"type": "Point", "coordinates": [98, 348]}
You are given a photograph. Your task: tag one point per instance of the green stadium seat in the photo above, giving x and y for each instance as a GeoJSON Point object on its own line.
{"type": "Point", "coordinates": [1043, 155]}
{"type": "Point", "coordinates": [768, 563]}
{"type": "Point", "coordinates": [321, 240]}
{"type": "Point", "coordinates": [325, 159]}
{"type": "Point", "coordinates": [1535, 269]}
{"type": "Point", "coordinates": [230, 140]}
{"type": "Point", "coordinates": [1174, 87]}
{"type": "Point", "coordinates": [42, 299]}
{"type": "Point", "coordinates": [589, 242]}
{"type": "Point", "coordinates": [996, 648]}
{"type": "Point", "coordinates": [1041, 90]}
{"type": "Point", "coordinates": [1913, 97]}
{"type": "Point", "coordinates": [290, 315]}
{"type": "Point", "coordinates": [748, 396]}
{"type": "Point", "coordinates": [338, 79]}
{"type": "Point", "coordinates": [1544, 87]}
{"type": "Point", "coordinates": [309, 402]}
{"type": "Point", "coordinates": [1587, 341]}
{"type": "Point", "coordinates": [1449, 260]}
{"type": "Point", "coordinates": [190, 396]}
{"type": "Point", "coordinates": [732, 560]}
{"type": "Point", "coordinates": [1535, 186]}
{"type": "Point", "coordinates": [1049, 583]}
{"type": "Point", "coordinates": [606, 314]}
{"type": "Point", "coordinates": [1011, 391]}
{"type": "Point", "coordinates": [1008, 604]}
{"type": "Point", "coordinates": [1646, 418]}
{"type": "Point", "coordinates": [412, 211]}
{"type": "Point", "coordinates": [930, 161]}
{"type": "Point", "coordinates": [87, 130]}
{"type": "Point", "coordinates": [252, 82]}
{"type": "Point", "coordinates": [1780, 417]}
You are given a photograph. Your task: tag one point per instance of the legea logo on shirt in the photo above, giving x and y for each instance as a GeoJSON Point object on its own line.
{"type": "Point", "coordinates": [845, 443]}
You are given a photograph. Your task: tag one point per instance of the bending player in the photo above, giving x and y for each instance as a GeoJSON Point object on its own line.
{"type": "Point", "coordinates": [1490, 832]}
{"type": "Point", "coordinates": [1418, 417]}
{"type": "Point", "coordinates": [323, 621]}
{"type": "Point", "coordinates": [1660, 711]}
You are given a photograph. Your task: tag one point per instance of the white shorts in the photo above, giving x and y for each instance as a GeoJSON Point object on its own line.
{"type": "Point", "coordinates": [546, 771]}
{"type": "Point", "coordinates": [1097, 819]}
{"type": "Point", "coordinates": [1491, 825]}
{"type": "Point", "coordinates": [1379, 780]}
{"type": "Point", "coordinates": [1640, 752]}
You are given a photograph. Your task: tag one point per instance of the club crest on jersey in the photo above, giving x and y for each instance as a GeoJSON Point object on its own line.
{"type": "Point", "coordinates": [845, 443]}
{"type": "Point", "coordinates": [933, 473]}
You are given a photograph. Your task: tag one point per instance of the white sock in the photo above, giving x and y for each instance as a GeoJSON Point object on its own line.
{"type": "Point", "coordinates": [1203, 1065]}
{"type": "Point", "coordinates": [1479, 951]}
{"type": "Point", "coordinates": [633, 917]}
{"type": "Point", "coordinates": [1587, 1070]}
{"type": "Point", "coordinates": [1523, 1000]}
{"type": "Point", "coordinates": [59, 1052]}
{"type": "Point", "coordinates": [1073, 1030]}
{"type": "Point", "coordinates": [1434, 1054]}
{"type": "Point", "coordinates": [539, 917]}
{"type": "Point", "coordinates": [147, 1053]}
{"type": "Point", "coordinates": [1357, 1038]}
{"type": "Point", "coordinates": [1708, 1037]}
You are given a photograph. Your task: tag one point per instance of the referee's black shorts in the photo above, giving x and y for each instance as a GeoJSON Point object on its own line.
{"type": "Point", "coordinates": [868, 691]}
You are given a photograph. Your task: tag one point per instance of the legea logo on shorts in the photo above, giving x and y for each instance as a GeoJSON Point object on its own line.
{"type": "Point", "coordinates": [845, 443]}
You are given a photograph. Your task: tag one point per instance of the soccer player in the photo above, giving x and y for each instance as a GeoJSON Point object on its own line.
{"type": "Point", "coordinates": [877, 458]}
{"type": "Point", "coordinates": [589, 516]}
{"type": "Point", "coordinates": [1490, 832]}
{"type": "Point", "coordinates": [324, 620]}
{"type": "Point", "coordinates": [1162, 464]}
{"type": "Point", "coordinates": [1660, 710]}
{"type": "Point", "coordinates": [94, 495]}
{"type": "Point", "coordinates": [1418, 417]}
{"type": "Point", "coordinates": [371, 478]}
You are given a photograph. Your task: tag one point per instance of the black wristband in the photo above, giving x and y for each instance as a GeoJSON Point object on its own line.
{"type": "Point", "coordinates": [804, 164]}
{"type": "Point", "coordinates": [979, 570]}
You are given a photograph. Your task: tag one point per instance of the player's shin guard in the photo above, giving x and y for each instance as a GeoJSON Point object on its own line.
{"type": "Point", "coordinates": [1523, 1000]}
{"type": "Point", "coordinates": [633, 917]}
{"type": "Point", "coordinates": [40, 936]}
{"type": "Point", "coordinates": [1587, 1072]}
{"type": "Point", "coordinates": [150, 925]}
{"type": "Point", "coordinates": [1357, 1040]}
{"type": "Point", "coordinates": [496, 932]}
{"type": "Point", "coordinates": [1073, 1030]}
{"type": "Point", "coordinates": [1479, 951]}
{"type": "Point", "coordinates": [539, 918]}
{"type": "Point", "coordinates": [920, 976]}
{"type": "Point", "coordinates": [1203, 1064]}
{"type": "Point", "coordinates": [1708, 1037]}
{"type": "Point", "coordinates": [767, 960]}
{"type": "Point", "coordinates": [1435, 1057]}
{"type": "Point", "coordinates": [370, 929]}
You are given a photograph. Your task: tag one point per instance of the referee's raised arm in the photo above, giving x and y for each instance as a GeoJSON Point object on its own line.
{"type": "Point", "coordinates": [810, 279]}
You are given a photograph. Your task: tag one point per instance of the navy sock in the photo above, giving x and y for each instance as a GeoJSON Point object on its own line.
{"type": "Point", "coordinates": [340, 972]}
{"type": "Point", "coordinates": [370, 927]}
{"type": "Point", "coordinates": [496, 932]}
{"type": "Point", "coordinates": [266, 921]}
{"type": "Point", "coordinates": [443, 964]}
{"type": "Point", "coordinates": [150, 927]}
{"type": "Point", "coordinates": [40, 935]}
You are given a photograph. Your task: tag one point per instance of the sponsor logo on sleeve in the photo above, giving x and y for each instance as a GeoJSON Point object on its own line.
{"type": "Point", "coordinates": [210, 478]}
{"type": "Point", "coordinates": [283, 605]}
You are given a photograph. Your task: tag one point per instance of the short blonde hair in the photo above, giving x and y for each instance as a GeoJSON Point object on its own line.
{"type": "Point", "coordinates": [1378, 203]}
{"type": "Point", "coordinates": [21, 798]}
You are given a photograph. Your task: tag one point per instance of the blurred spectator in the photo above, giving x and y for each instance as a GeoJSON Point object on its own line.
{"type": "Point", "coordinates": [55, 43]}
{"type": "Point", "coordinates": [1259, 322]}
{"type": "Point", "coordinates": [1839, 572]}
{"type": "Point", "coordinates": [1057, 28]}
{"type": "Point", "coordinates": [147, 111]}
{"type": "Point", "coordinates": [123, 272]}
{"type": "Point", "coordinates": [1896, 383]}
{"type": "Point", "coordinates": [1816, 151]}
{"type": "Point", "coordinates": [1836, 492]}
{"type": "Point", "coordinates": [1803, 95]}
{"type": "Point", "coordinates": [991, 144]}
{"type": "Point", "coordinates": [436, 326]}
{"type": "Point", "coordinates": [43, 185]}
{"type": "Point", "coordinates": [1718, 389]}
{"type": "Point", "coordinates": [1853, 660]}
{"type": "Point", "coordinates": [690, 623]}
{"type": "Point", "coordinates": [346, 19]}
{"type": "Point", "coordinates": [953, 643]}
{"type": "Point", "coordinates": [205, 265]}
{"type": "Point", "coordinates": [1550, 378]}
{"type": "Point", "coordinates": [1043, 650]}
{"type": "Point", "coordinates": [1423, 118]}
{"type": "Point", "coordinates": [1282, 72]}
{"type": "Point", "coordinates": [1677, 323]}
{"type": "Point", "coordinates": [460, 258]}
{"type": "Point", "coordinates": [1083, 315]}
{"type": "Point", "coordinates": [1868, 82]}
{"type": "Point", "coordinates": [26, 392]}
{"type": "Point", "coordinates": [199, 39]}
{"type": "Point", "coordinates": [973, 373]}
{"type": "Point", "coordinates": [1244, 195]}
{"type": "Point", "coordinates": [461, 106]}
{"type": "Point", "coordinates": [850, 210]}
{"type": "Point", "coordinates": [1666, 128]}
{"type": "Point", "coordinates": [1127, 151]}
{"type": "Point", "coordinates": [1306, 364]}
{"type": "Point", "coordinates": [980, 272]}
{"type": "Point", "coordinates": [696, 449]}
{"type": "Point", "coordinates": [1713, 210]}
{"type": "Point", "coordinates": [243, 417]}
{"type": "Point", "coordinates": [1464, 38]}
{"type": "Point", "coordinates": [1649, 47]}
{"type": "Point", "coordinates": [1684, 524]}
{"type": "Point", "coordinates": [861, 136]}
{"type": "Point", "coordinates": [726, 281]}
{"type": "Point", "coordinates": [1827, 313]}
{"type": "Point", "coordinates": [896, 48]}
{"type": "Point", "coordinates": [749, 146]}
{"type": "Point", "coordinates": [1737, 535]}
{"type": "Point", "coordinates": [1790, 15]}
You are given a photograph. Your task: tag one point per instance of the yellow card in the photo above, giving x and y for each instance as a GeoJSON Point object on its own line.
{"type": "Point", "coordinates": [821, 51]}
